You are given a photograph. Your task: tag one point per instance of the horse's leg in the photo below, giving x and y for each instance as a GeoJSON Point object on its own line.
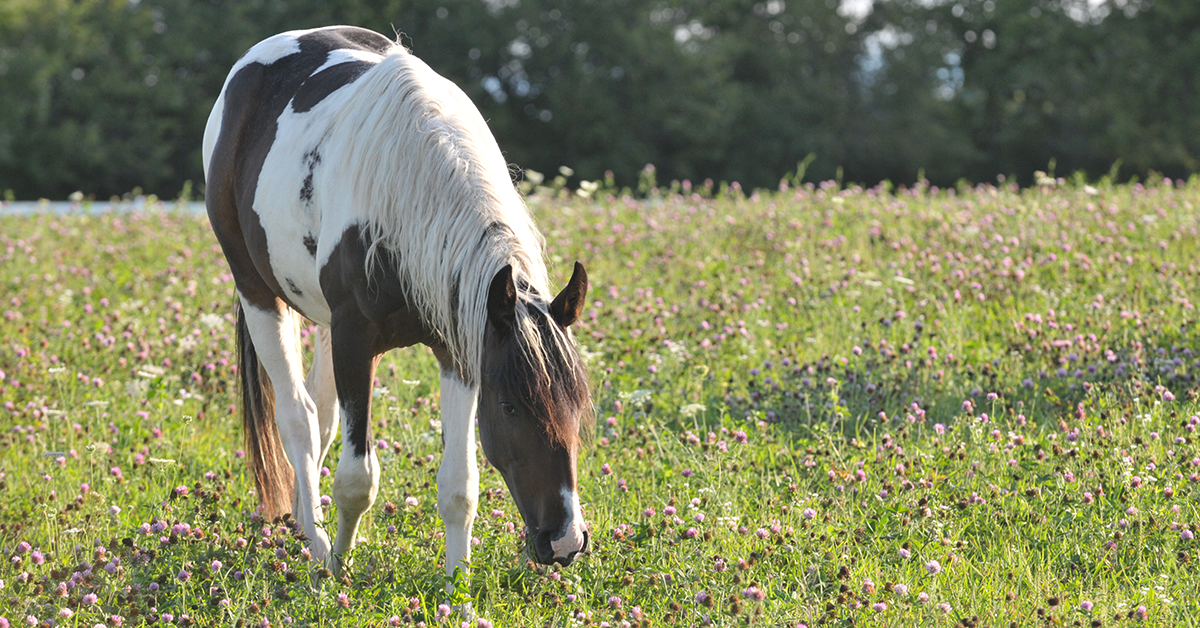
{"type": "Point", "coordinates": [458, 477]}
{"type": "Point", "coordinates": [274, 334]}
{"type": "Point", "coordinates": [321, 387]}
{"type": "Point", "coordinates": [357, 479]}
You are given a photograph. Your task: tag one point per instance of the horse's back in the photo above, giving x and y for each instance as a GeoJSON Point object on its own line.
{"type": "Point", "coordinates": [262, 152]}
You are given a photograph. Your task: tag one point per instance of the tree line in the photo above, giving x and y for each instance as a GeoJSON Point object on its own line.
{"type": "Point", "coordinates": [104, 96]}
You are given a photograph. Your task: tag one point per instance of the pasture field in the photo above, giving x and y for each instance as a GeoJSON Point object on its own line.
{"type": "Point", "coordinates": [818, 406]}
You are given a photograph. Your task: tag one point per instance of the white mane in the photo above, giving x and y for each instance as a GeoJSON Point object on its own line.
{"type": "Point", "coordinates": [437, 204]}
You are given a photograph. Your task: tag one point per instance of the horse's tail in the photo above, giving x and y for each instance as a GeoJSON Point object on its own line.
{"type": "Point", "coordinates": [273, 478]}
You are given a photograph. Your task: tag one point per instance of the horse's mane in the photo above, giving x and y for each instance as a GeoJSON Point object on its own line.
{"type": "Point", "coordinates": [438, 206]}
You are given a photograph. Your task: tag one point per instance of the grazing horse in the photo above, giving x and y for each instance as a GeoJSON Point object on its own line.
{"type": "Point", "coordinates": [350, 184]}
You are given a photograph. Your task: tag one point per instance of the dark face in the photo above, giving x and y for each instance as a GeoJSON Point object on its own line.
{"type": "Point", "coordinates": [529, 418]}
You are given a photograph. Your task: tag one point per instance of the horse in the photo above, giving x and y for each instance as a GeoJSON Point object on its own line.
{"type": "Point", "coordinates": [349, 184]}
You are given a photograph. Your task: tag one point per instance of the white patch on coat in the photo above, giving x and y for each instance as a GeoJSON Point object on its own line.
{"type": "Point", "coordinates": [266, 52]}
{"type": "Point", "coordinates": [346, 55]}
{"type": "Point", "coordinates": [573, 528]}
{"type": "Point", "coordinates": [285, 218]}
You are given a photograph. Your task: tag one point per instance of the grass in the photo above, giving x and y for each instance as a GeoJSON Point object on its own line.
{"type": "Point", "coordinates": [818, 406]}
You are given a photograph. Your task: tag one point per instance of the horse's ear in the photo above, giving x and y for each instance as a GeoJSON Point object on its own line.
{"type": "Point", "coordinates": [568, 305]}
{"type": "Point", "coordinates": [502, 299]}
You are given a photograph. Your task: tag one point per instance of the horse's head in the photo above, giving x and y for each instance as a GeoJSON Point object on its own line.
{"type": "Point", "coordinates": [533, 399]}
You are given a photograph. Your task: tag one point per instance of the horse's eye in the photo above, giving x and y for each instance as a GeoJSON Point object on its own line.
{"type": "Point", "coordinates": [508, 407]}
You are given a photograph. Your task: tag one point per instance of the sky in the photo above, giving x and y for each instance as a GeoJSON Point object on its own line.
{"type": "Point", "coordinates": [859, 8]}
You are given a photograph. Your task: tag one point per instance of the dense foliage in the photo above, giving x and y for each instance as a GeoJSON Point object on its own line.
{"type": "Point", "coordinates": [819, 406]}
{"type": "Point", "coordinates": [105, 95]}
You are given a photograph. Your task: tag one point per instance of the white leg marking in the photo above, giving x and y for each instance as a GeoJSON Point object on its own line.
{"type": "Point", "coordinates": [322, 387]}
{"type": "Point", "coordinates": [458, 477]}
{"type": "Point", "coordinates": [275, 341]}
{"type": "Point", "coordinates": [573, 528]}
{"type": "Point", "coordinates": [354, 488]}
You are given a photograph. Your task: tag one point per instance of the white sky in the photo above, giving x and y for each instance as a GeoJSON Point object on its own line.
{"type": "Point", "coordinates": [858, 9]}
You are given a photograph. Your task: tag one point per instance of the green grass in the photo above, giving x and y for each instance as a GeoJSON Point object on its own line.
{"type": "Point", "coordinates": [796, 367]}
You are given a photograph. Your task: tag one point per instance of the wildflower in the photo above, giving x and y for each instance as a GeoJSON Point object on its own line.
{"type": "Point", "coordinates": [90, 598]}
{"type": "Point", "coordinates": [809, 513]}
{"type": "Point", "coordinates": [181, 490]}
{"type": "Point", "coordinates": [754, 594]}
{"type": "Point", "coordinates": [605, 469]}
{"type": "Point", "coordinates": [1086, 606]}
{"type": "Point", "coordinates": [868, 587]}
{"type": "Point", "coordinates": [904, 553]}
{"type": "Point", "coordinates": [922, 597]}
{"type": "Point", "coordinates": [443, 610]}
{"type": "Point", "coordinates": [900, 589]}
{"type": "Point", "coordinates": [215, 566]}
{"type": "Point", "coordinates": [1140, 613]}
{"type": "Point", "coordinates": [344, 601]}
{"type": "Point", "coordinates": [184, 575]}
{"type": "Point", "coordinates": [23, 547]}
{"type": "Point", "coordinates": [944, 607]}
{"type": "Point", "coordinates": [879, 606]}
{"type": "Point", "coordinates": [1186, 535]}
{"type": "Point", "coordinates": [614, 602]}
{"type": "Point", "coordinates": [933, 567]}
{"type": "Point", "coordinates": [691, 533]}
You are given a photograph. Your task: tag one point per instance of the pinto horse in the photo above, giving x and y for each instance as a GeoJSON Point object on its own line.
{"type": "Point", "coordinates": [350, 184]}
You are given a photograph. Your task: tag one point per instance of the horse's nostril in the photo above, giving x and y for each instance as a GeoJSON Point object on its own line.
{"type": "Point", "coordinates": [566, 562]}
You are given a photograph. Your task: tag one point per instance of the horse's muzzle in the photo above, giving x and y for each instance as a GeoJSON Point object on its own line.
{"type": "Point", "coordinates": [544, 551]}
